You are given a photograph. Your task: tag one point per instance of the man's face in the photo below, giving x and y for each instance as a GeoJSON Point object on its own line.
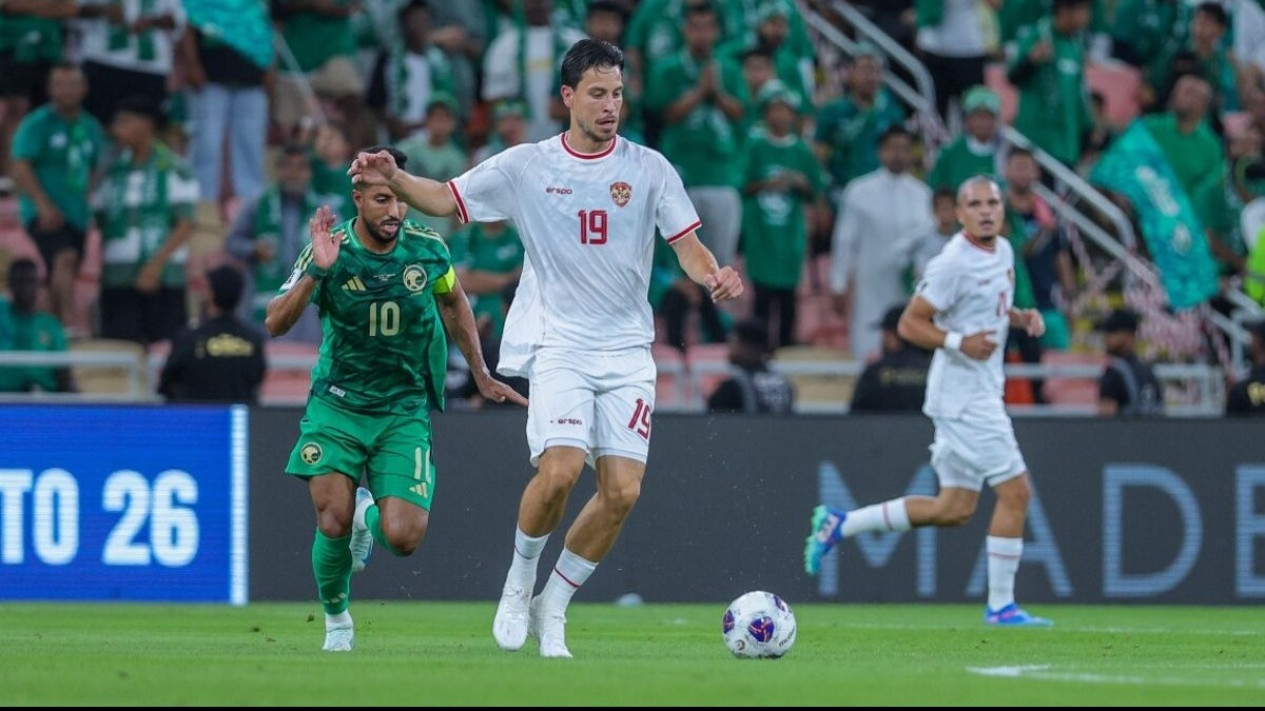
{"type": "Point", "coordinates": [866, 77]}
{"type": "Point", "coordinates": [980, 210]}
{"type": "Point", "coordinates": [129, 129]}
{"type": "Point", "coordinates": [981, 124]}
{"type": "Point", "coordinates": [604, 25]}
{"type": "Point", "coordinates": [66, 88]}
{"type": "Point", "coordinates": [1190, 97]}
{"type": "Point", "coordinates": [25, 285]}
{"type": "Point", "coordinates": [294, 174]}
{"type": "Point", "coordinates": [757, 69]}
{"type": "Point", "coordinates": [701, 32]}
{"type": "Point", "coordinates": [896, 153]}
{"type": "Point", "coordinates": [1021, 173]}
{"type": "Point", "coordinates": [381, 211]}
{"type": "Point", "coordinates": [595, 102]}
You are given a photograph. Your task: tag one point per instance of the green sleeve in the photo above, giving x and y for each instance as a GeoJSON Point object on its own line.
{"type": "Point", "coordinates": [1024, 42]}
{"type": "Point", "coordinates": [26, 142]}
{"type": "Point", "coordinates": [663, 84]}
{"type": "Point", "coordinates": [812, 169]}
{"type": "Point", "coordinates": [929, 12]}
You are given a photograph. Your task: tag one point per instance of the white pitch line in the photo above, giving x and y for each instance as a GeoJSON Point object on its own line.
{"type": "Point", "coordinates": [1043, 672]}
{"type": "Point", "coordinates": [1065, 628]}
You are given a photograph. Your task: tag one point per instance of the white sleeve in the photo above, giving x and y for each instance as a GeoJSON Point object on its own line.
{"type": "Point", "coordinates": [939, 283]}
{"type": "Point", "coordinates": [487, 192]}
{"type": "Point", "coordinates": [675, 215]}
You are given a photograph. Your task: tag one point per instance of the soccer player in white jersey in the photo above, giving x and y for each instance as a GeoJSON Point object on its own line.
{"type": "Point", "coordinates": [586, 204]}
{"type": "Point", "coordinates": [963, 308]}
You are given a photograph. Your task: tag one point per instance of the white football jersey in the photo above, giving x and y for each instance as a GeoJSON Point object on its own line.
{"type": "Point", "coordinates": [972, 289]}
{"type": "Point", "coordinates": [587, 222]}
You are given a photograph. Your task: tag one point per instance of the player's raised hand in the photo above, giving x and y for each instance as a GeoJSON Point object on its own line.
{"type": "Point", "coordinates": [724, 284]}
{"type": "Point", "coordinates": [496, 391]}
{"type": "Point", "coordinates": [372, 168]}
{"type": "Point", "coordinates": [979, 345]}
{"type": "Point", "coordinates": [324, 244]}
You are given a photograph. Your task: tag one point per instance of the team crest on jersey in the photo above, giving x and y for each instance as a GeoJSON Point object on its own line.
{"type": "Point", "coordinates": [621, 193]}
{"type": "Point", "coordinates": [311, 453]}
{"type": "Point", "coordinates": [414, 278]}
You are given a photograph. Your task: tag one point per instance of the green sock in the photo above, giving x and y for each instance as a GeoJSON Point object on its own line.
{"type": "Point", "coordinates": [374, 521]}
{"type": "Point", "coordinates": [331, 562]}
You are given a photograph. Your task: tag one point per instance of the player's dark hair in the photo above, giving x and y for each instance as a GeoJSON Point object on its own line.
{"type": "Point", "coordinates": [944, 192]}
{"type": "Point", "coordinates": [587, 54]}
{"type": "Point", "coordinates": [396, 153]}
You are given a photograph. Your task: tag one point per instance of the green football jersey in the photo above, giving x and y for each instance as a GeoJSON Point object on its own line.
{"type": "Point", "coordinates": [384, 348]}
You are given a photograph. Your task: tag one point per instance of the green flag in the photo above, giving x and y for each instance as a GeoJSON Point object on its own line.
{"type": "Point", "coordinates": [1135, 167]}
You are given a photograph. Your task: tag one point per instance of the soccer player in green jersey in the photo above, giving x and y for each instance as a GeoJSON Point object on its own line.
{"type": "Point", "coordinates": [386, 292]}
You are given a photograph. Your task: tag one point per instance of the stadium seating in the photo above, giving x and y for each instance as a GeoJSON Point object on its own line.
{"type": "Point", "coordinates": [1072, 391]}
{"type": "Point", "coordinates": [286, 385]}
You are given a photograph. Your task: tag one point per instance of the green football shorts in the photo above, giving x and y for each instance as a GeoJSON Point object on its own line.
{"type": "Point", "coordinates": [393, 451]}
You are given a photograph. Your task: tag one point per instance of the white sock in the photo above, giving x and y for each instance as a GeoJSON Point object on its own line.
{"type": "Point", "coordinates": [1003, 563]}
{"type": "Point", "coordinates": [526, 558]}
{"type": "Point", "coordinates": [342, 619]}
{"type": "Point", "coordinates": [887, 516]}
{"type": "Point", "coordinates": [567, 577]}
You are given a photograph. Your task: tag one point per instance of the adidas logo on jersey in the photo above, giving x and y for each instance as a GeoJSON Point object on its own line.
{"type": "Point", "coordinates": [354, 284]}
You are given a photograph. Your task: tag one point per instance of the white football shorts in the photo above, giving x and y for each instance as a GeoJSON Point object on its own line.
{"type": "Point", "coordinates": [598, 401]}
{"type": "Point", "coordinates": [976, 449]}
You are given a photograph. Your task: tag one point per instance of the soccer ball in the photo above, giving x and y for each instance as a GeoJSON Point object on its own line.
{"type": "Point", "coordinates": [759, 625]}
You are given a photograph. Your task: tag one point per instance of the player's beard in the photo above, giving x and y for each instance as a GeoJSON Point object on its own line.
{"type": "Point", "coordinates": [375, 230]}
{"type": "Point", "coordinates": [594, 132]}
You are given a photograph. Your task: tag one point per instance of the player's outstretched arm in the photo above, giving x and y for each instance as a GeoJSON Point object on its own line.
{"type": "Point", "coordinates": [430, 196]}
{"type": "Point", "coordinates": [700, 265]}
{"type": "Point", "coordinates": [454, 309]}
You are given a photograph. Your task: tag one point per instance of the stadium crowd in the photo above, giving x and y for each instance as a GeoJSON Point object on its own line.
{"type": "Point", "coordinates": [146, 143]}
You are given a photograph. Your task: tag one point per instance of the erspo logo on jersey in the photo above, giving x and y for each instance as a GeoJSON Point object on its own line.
{"type": "Point", "coordinates": [621, 193]}
{"type": "Point", "coordinates": [551, 190]}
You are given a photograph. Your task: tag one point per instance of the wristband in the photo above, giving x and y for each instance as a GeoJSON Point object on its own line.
{"type": "Point", "coordinates": [315, 272]}
{"type": "Point", "coordinates": [952, 341]}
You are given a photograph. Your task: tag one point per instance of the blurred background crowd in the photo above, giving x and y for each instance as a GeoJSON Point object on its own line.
{"type": "Point", "coordinates": [161, 157]}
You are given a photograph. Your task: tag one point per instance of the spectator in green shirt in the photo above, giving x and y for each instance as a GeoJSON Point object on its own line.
{"type": "Point", "coordinates": [323, 40]}
{"type": "Point", "coordinates": [1048, 69]}
{"type": "Point", "coordinates": [144, 208]}
{"type": "Point", "coordinates": [55, 156]}
{"type": "Point", "coordinates": [701, 98]}
{"type": "Point", "coordinates": [974, 152]}
{"type": "Point", "coordinates": [1205, 50]}
{"type": "Point", "coordinates": [848, 128]}
{"type": "Point", "coordinates": [1198, 160]}
{"type": "Point", "coordinates": [31, 41]}
{"type": "Point", "coordinates": [782, 176]}
{"type": "Point", "coordinates": [437, 153]}
{"type": "Point", "coordinates": [31, 330]}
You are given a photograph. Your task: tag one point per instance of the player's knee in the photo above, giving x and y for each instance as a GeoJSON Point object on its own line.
{"type": "Point", "coordinates": [333, 522]}
{"type": "Point", "coordinates": [955, 513]}
{"type": "Point", "coordinates": [1017, 494]}
{"type": "Point", "coordinates": [621, 498]}
{"type": "Point", "coordinates": [404, 532]}
{"type": "Point", "coordinates": [555, 482]}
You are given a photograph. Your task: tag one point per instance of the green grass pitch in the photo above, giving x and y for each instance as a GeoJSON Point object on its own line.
{"type": "Point", "coordinates": [442, 654]}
